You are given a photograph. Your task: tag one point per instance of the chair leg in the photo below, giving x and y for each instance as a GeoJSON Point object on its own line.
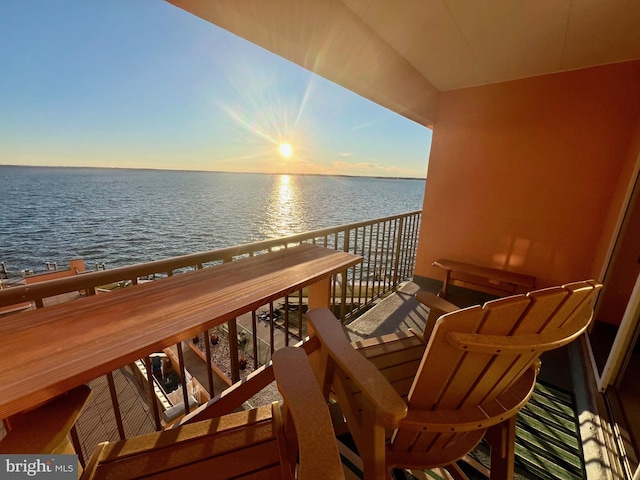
{"type": "Point", "coordinates": [371, 446]}
{"type": "Point", "coordinates": [502, 439]}
{"type": "Point", "coordinates": [455, 471]}
{"type": "Point", "coordinates": [419, 474]}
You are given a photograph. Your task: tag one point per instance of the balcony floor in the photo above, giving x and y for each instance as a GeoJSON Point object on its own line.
{"type": "Point", "coordinates": [398, 311]}
{"type": "Point", "coordinates": [97, 423]}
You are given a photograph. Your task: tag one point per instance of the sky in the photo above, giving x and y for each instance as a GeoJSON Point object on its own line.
{"type": "Point", "coordinates": [144, 84]}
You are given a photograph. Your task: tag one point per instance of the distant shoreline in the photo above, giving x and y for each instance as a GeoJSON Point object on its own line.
{"type": "Point", "coordinates": [217, 171]}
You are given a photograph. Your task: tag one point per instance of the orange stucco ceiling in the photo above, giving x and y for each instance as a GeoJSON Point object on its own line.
{"type": "Point", "coordinates": [400, 54]}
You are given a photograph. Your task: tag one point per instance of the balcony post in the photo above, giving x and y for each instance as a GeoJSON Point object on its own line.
{"type": "Point", "coordinates": [320, 294]}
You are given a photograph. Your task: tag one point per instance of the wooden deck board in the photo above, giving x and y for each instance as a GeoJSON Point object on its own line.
{"type": "Point", "coordinates": [98, 423]}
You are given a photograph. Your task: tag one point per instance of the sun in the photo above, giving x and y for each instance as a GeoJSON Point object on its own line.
{"type": "Point", "coordinates": [285, 149]}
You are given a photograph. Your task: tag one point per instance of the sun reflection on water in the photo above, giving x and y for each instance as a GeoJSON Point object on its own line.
{"type": "Point", "coordinates": [283, 208]}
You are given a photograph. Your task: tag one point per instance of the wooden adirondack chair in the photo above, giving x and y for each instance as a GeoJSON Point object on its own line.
{"type": "Point", "coordinates": [294, 439]}
{"type": "Point", "coordinates": [420, 406]}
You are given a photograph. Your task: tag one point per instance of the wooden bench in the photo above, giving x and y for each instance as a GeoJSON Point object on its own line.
{"type": "Point", "coordinates": [489, 280]}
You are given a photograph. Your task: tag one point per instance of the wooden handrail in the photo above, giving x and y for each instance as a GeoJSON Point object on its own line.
{"type": "Point", "coordinates": [71, 343]}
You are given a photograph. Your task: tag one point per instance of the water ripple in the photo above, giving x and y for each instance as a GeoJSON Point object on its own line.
{"type": "Point", "coordinates": [120, 217]}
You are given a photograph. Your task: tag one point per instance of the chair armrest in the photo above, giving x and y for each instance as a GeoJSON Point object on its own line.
{"type": "Point", "coordinates": [367, 378]}
{"type": "Point", "coordinates": [432, 300]}
{"type": "Point", "coordinates": [45, 428]}
{"type": "Point", "coordinates": [437, 306]}
{"type": "Point", "coordinates": [319, 455]}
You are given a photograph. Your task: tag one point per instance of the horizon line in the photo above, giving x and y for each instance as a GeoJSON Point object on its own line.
{"type": "Point", "coordinates": [219, 171]}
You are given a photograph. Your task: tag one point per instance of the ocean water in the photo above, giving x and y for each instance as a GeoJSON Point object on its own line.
{"type": "Point", "coordinates": [122, 217]}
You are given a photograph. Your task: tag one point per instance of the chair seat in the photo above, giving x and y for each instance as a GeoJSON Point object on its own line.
{"type": "Point", "coordinates": [245, 442]}
{"type": "Point", "coordinates": [396, 355]}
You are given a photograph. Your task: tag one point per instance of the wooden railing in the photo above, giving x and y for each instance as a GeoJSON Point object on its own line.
{"type": "Point", "coordinates": [387, 246]}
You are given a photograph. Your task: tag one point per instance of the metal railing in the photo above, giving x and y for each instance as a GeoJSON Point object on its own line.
{"type": "Point", "coordinates": [387, 246]}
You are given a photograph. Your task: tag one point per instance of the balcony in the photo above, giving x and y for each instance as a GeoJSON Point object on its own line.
{"type": "Point", "coordinates": [369, 290]}
{"type": "Point", "coordinates": [386, 252]}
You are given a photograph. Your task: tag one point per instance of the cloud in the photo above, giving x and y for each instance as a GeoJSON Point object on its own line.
{"type": "Point", "coordinates": [372, 169]}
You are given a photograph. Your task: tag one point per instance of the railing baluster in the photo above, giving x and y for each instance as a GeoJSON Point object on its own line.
{"type": "Point", "coordinates": [77, 446]}
{"type": "Point", "coordinates": [377, 273]}
{"type": "Point", "coordinates": [254, 328]}
{"type": "Point", "coordinates": [286, 320]}
{"type": "Point", "coordinates": [344, 275]}
{"type": "Point", "coordinates": [152, 394]}
{"type": "Point", "coordinates": [386, 240]}
{"type": "Point", "coordinates": [362, 269]}
{"type": "Point", "coordinates": [233, 350]}
{"type": "Point", "coordinates": [116, 405]}
{"type": "Point", "coordinates": [388, 247]}
{"type": "Point", "coordinates": [301, 315]}
{"type": "Point", "coordinates": [398, 251]}
{"type": "Point", "coordinates": [207, 351]}
{"type": "Point", "coordinates": [369, 272]}
{"type": "Point", "coordinates": [183, 376]}
{"type": "Point", "coordinates": [354, 271]}
{"type": "Point", "coordinates": [271, 328]}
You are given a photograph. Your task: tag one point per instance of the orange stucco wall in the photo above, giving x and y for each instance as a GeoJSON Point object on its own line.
{"type": "Point", "coordinates": [523, 174]}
